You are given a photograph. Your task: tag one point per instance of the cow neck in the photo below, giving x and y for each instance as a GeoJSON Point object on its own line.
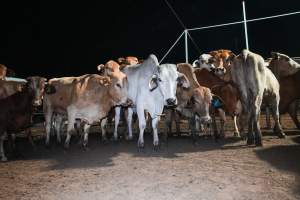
{"type": "Point", "coordinates": [208, 79]}
{"type": "Point", "coordinates": [24, 99]}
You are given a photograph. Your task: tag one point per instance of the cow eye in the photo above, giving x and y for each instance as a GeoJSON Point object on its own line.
{"type": "Point", "coordinates": [118, 85]}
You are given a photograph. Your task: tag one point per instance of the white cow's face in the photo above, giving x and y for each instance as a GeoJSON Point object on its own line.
{"type": "Point", "coordinates": [205, 62]}
{"type": "Point", "coordinates": [166, 80]}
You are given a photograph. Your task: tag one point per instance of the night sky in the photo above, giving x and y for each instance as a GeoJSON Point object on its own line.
{"type": "Point", "coordinates": [67, 38]}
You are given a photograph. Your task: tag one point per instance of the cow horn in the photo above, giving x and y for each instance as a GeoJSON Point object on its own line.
{"type": "Point", "coordinates": [153, 81]}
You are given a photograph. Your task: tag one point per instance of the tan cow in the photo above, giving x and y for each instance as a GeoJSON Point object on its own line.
{"type": "Point", "coordinates": [192, 101]}
{"type": "Point", "coordinates": [88, 97]}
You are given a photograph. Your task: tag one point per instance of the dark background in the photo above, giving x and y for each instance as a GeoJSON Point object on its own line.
{"type": "Point", "coordinates": [65, 38]}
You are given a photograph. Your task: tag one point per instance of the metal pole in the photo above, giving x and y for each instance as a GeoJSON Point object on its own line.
{"type": "Point", "coordinates": [186, 46]}
{"type": "Point", "coordinates": [245, 25]}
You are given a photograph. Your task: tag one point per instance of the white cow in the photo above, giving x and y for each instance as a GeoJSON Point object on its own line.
{"type": "Point", "coordinates": [151, 87]}
{"type": "Point", "coordinates": [255, 82]}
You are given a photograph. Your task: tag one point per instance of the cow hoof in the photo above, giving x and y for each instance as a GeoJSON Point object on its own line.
{"type": "Point", "coordinates": [281, 135]}
{"type": "Point", "coordinates": [236, 134]}
{"type": "Point", "coordinates": [105, 141]}
{"type": "Point", "coordinates": [250, 141]}
{"type": "Point", "coordinates": [129, 138]}
{"type": "Point", "coordinates": [66, 146]}
{"type": "Point", "coordinates": [156, 147]}
{"type": "Point", "coordinates": [86, 148]}
{"type": "Point", "coordinates": [259, 143]}
{"type": "Point", "coordinates": [141, 145]}
{"type": "Point", "coordinates": [3, 159]}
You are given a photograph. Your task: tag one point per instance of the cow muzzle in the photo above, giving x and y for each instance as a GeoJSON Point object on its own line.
{"type": "Point", "coordinates": [205, 120]}
{"type": "Point", "coordinates": [171, 102]}
{"type": "Point", "coordinates": [128, 103]}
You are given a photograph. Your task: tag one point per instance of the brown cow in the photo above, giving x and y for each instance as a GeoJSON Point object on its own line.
{"type": "Point", "coordinates": [289, 93]}
{"type": "Point", "coordinates": [282, 66]}
{"type": "Point", "coordinates": [228, 93]}
{"type": "Point", "coordinates": [17, 109]}
{"type": "Point", "coordinates": [191, 101]}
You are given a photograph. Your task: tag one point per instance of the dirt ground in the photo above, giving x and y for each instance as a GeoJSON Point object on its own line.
{"type": "Point", "coordinates": [180, 170]}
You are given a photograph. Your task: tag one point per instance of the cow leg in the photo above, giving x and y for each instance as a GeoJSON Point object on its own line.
{"type": "Point", "coordinates": [214, 125]}
{"type": "Point", "coordinates": [48, 123]}
{"type": "Point", "coordinates": [29, 136]}
{"type": "Point", "coordinates": [168, 124]}
{"type": "Point", "coordinates": [142, 126]}
{"type": "Point", "coordinates": [292, 110]}
{"type": "Point", "coordinates": [117, 120]}
{"type": "Point", "coordinates": [275, 114]}
{"type": "Point", "coordinates": [2, 138]}
{"type": "Point", "coordinates": [192, 124]}
{"type": "Point", "coordinates": [236, 129]}
{"type": "Point", "coordinates": [177, 123]}
{"type": "Point", "coordinates": [268, 120]}
{"type": "Point", "coordinates": [256, 126]}
{"type": "Point", "coordinates": [155, 131]}
{"type": "Point", "coordinates": [86, 130]}
{"type": "Point", "coordinates": [103, 124]}
{"type": "Point", "coordinates": [129, 123]}
{"type": "Point", "coordinates": [250, 135]}
{"type": "Point", "coordinates": [70, 128]}
{"type": "Point", "coordinates": [222, 121]}
{"type": "Point", "coordinates": [58, 127]}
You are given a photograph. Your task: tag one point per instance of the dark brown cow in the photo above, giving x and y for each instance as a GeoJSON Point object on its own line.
{"type": "Point", "coordinates": [17, 109]}
{"type": "Point", "coordinates": [227, 91]}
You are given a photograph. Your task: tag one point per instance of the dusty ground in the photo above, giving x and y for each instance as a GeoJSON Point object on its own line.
{"type": "Point", "coordinates": [181, 170]}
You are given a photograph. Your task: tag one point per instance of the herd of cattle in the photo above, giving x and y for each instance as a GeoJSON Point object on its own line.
{"type": "Point", "coordinates": [218, 83]}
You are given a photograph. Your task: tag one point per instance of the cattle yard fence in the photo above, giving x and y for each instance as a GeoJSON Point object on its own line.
{"type": "Point", "coordinates": [186, 31]}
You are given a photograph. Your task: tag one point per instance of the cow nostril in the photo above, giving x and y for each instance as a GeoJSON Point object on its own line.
{"type": "Point", "coordinates": [171, 101]}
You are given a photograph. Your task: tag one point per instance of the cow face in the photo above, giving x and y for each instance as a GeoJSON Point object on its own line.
{"type": "Point", "coordinates": [221, 61]}
{"type": "Point", "coordinates": [37, 84]}
{"type": "Point", "coordinates": [119, 86]}
{"type": "Point", "coordinates": [166, 79]}
{"type": "Point", "coordinates": [205, 62]}
{"type": "Point", "coordinates": [282, 65]}
{"type": "Point", "coordinates": [200, 103]}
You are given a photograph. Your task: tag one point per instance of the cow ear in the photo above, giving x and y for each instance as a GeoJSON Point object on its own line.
{"type": "Point", "coordinates": [274, 55]}
{"type": "Point", "coordinates": [196, 64]}
{"type": "Point", "coordinates": [49, 89]}
{"type": "Point", "coordinates": [153, 82]}
{"type": "Point", "coordinates": [100, 68]}
{"type": "Point", "coordinates": [183, 81]}
{"type": "Point", "coordinates": [121, 60]}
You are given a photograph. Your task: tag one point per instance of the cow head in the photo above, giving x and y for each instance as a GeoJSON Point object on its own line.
{"type": "Point", "coordinates": [110, 66]}
{"type": "Point", "coordinates": [166, 79]}
{"type": "Point", "coordinates": [221, 61]}
{"type": "Point", "coordinates": [37, 85]}
{"type": "Point", "coordinates": [204, 62]}
{"type": "Point", "coordinates": [282, 65]}
{"type": "Point", "coordinates": [200, 103]}
{"type": "Point", "coordinates": [118, 87]}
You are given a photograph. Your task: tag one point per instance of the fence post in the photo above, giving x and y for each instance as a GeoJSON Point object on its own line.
{"type": "Point", "coordinates": [186, 46]}
{"type": "Point", "coordinates": [245, 25]}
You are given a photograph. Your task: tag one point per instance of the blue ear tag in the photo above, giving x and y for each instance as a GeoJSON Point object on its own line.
{"type": "Point", "coordinates": [216, 103]}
